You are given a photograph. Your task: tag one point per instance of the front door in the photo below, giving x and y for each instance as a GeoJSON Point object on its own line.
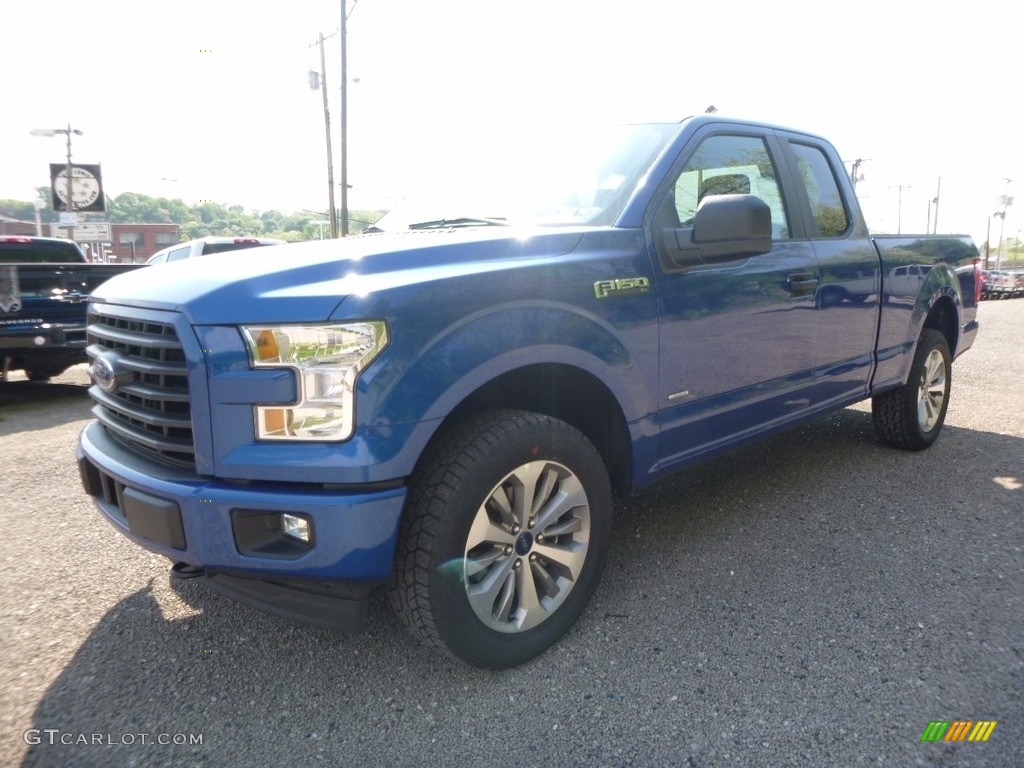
{"type": "Point", "coordinates": [736, 339]}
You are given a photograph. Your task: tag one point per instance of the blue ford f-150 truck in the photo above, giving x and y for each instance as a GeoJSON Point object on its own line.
{"type": "Point", "coordinates": [448, 405]}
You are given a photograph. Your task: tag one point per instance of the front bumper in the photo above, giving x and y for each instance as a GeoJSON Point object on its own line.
{"type": "Point", "coordinates": [195, 520]}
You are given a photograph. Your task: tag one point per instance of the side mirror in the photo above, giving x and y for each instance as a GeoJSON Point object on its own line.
{"type": "Point", "coordinates": [725, 228]}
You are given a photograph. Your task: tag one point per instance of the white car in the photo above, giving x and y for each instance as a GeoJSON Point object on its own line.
{"type": "Point", "coordinates": [207, 245]}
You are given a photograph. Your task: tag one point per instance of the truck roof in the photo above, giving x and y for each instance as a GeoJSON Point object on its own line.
{"type": "Point", "coordinates": [25, 249]}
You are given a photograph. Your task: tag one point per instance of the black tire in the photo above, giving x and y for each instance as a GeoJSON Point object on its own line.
{"type": "Point", "coordinates": [474, 600]}
{"type": "Point", "coordinates": [42, 374]}
{"type": "Point", "coordinates": [911, 416]}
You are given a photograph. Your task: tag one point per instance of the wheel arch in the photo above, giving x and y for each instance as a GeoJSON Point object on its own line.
{"type": "Point", "coordinates": [595, 373]}
{"type": "Point", "coordinates": [938, 306]}
{"type": "Point", "coordinates": [569, 394]}
{"type": "Point", "coordinates": [944, 318]}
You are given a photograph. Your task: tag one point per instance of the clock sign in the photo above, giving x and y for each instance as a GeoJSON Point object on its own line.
{"type": "Point", "coordinates": [86, 188]}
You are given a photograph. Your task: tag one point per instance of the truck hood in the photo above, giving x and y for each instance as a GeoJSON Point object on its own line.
{"type": "Point", "coordinates": [305, 282]}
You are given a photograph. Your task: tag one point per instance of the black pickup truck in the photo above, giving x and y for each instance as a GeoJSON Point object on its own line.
{"type": "Point", "coordinates": [44, 288]}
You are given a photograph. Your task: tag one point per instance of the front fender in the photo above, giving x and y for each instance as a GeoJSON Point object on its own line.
{"type": "Point", "coordinates": [420, 379]}
{"type": "Point", "coordinates": [493, 342]}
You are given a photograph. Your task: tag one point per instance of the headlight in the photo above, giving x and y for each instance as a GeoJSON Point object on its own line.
{"type": "Point", "coordinates": [327, 360]}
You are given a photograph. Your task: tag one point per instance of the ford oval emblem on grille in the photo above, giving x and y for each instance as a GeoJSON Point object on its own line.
{"type": "Point", "coordinates": [108, 372]}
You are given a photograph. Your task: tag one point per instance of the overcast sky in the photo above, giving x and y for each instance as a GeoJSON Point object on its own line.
{"type": "Point", "coordinates": [210, 100]}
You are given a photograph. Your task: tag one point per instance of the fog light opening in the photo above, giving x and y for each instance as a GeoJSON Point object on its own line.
{"type": "Point", "coordinates": [273, 534]}
{"type": "Point", "coordinates": [297, 528]}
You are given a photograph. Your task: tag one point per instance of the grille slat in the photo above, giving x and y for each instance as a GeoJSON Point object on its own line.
{"type": "Point", "coordinates": [156, 393]}
{"type": "Point", "coordinates": [153, 367]}
{"type": "Point", "coordinates": [130, 412]}
{"type": "Point", "coordinates": [149, 409]}
{"type": "Point", "coordinates": [130, 338]}
{"type": "Point", "coordinates": [140, 436]}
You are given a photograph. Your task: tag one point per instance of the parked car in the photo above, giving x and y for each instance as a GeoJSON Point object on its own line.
{"type": "Point", "coordinates": [998, 285]}
{"type": "Point", "coordinates": [204, 246]}
{"type": "Point", "coordinates": [1017, 279]}
{"type": "Point", "coordinates": [44, 285]}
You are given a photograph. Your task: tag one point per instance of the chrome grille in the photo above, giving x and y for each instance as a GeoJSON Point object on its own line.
{"type": "Point", "coordinates": [149, 409]}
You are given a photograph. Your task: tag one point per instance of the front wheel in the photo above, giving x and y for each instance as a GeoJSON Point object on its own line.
{"type": "Point", "coordinates": [43, 373]}
{"type": "Point", "coordinates": [911, 417]}
{"type": "Point", "coordinates": [504, 538]}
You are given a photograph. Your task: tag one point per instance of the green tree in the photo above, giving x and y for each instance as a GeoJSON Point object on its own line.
{"type": "Point", "coordinates": [202, 220]}
{"type": "Point", "coordinates": [17, 209]}
{"type": "Point", "coordinates": [25, 210]}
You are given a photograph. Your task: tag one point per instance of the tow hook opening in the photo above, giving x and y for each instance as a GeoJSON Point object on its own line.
{"type": "Point", "coordinates": [185, 571]}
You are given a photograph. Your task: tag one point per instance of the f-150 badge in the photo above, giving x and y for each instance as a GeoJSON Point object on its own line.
{"type": "Point", "coordinates": [622, 286]}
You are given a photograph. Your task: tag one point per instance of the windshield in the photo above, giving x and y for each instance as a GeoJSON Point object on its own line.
{"type": "Point", "coordinates": [575, 178]}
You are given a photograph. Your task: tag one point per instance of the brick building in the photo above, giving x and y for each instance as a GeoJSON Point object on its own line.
{"type": "Point", "coordinates": [9, 226]}
{"type": "Point", "coordinates": [141, 240]}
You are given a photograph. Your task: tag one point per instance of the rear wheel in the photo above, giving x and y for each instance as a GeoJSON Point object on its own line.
{"type": "Point", "coordinates": [504, 539]}
{"type": "Point", "coordinates": [911, 417]}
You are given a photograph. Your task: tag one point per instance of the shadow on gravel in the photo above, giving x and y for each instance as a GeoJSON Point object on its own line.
{"type": "Point", "coordinates": [28, 405]}
{"type": "Point", "coordinates": [815, 599]}
{"type": "Point", "coordinates": [15, 393]}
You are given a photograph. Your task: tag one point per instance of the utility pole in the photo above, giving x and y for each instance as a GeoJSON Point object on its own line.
{"type": "Point", "coordinates": [70, 188]}
{"type": "Point", "coordinates": [327, 128]}
{"type": "Point", "coordinates": [344, 118]}
{"type": "Point", "coordinates": [988, 241]}
{"type": "Point", "coordinates": [938, 193]}
{"type": "Point", "coordinates": [855, 175]}
{"type": "Point", "coordinates": [1006, 201]}
{"type": "Point", "coordinates": [899, 210]}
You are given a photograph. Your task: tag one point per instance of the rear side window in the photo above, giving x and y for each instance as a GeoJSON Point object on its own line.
{"type": "Point", "coordinates": [225, 247]}
{"type": "Point", "coordinates": [828, 212]}
{"type": "Point", "coordinates": [178, 254]}
{"type": "Point", "coordinates": [40, 252]}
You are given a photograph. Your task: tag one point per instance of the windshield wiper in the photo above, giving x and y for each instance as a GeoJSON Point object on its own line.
{"type": "Point", "coordinates": [463, 221]}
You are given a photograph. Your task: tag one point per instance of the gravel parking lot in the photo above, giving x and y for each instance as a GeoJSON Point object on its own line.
{"type": "Point", "coordinates": [814, 600]}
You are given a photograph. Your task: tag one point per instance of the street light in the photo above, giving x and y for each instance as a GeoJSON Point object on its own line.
{"type": "Point", "coordinates": [68, 173]}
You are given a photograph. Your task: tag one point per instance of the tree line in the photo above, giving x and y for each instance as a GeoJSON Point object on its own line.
{"type": "Point", "coordinates": [204, 219]}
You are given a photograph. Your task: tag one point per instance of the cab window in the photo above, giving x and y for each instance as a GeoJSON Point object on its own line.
{"type": "Point", "coordinates": [730, 165]}
{"type": "Point", "coordinates": [828, 214]}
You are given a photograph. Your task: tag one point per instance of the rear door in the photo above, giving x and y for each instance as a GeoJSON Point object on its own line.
{"type": "Point", "coordinates": [848, 299]}
{"type": "Point", "coordinates": [736, 339]}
